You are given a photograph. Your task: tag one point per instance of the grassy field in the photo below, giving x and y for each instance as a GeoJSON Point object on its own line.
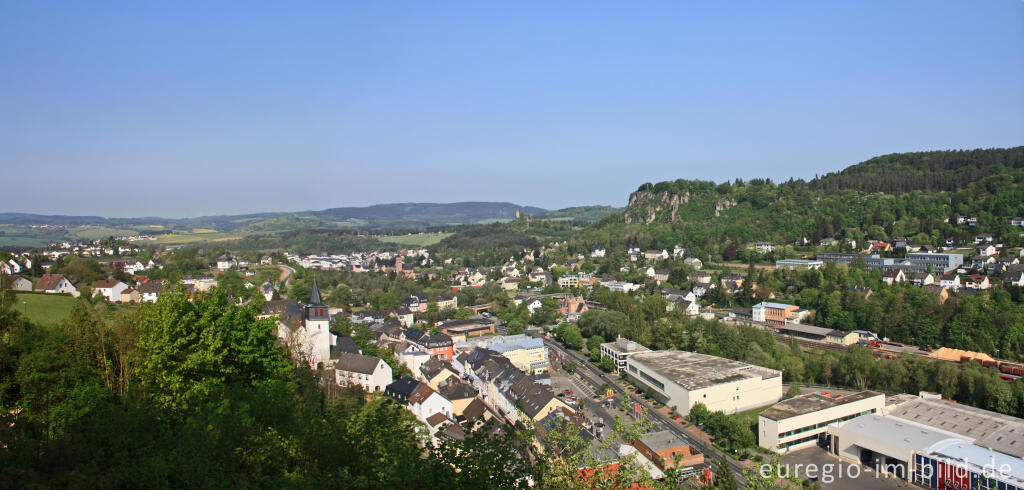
{"type": "Point", "coordinates": [44, 309]}
{"type": "Point", "coordinates": [21, 241]}
{"type": "Point", "coordinates": [97, 232]}
{"type": "Point", "coordinates": [180, 238]}
{"type": "Point", "coordinates": [415, 240]}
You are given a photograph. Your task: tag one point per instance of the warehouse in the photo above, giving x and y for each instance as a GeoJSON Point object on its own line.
{"type": "Point", "coordinates": [802, 421]}
{"type": "Point", "coordinates": [680, 379]}
{"type": "Point", "coordinates": [919, 438]}
{"type": "Point", "coordinates": [820, 334]}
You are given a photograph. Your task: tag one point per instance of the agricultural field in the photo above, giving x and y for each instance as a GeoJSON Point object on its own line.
{"type": "Point", "coordinates": [416, 239]}
{"type": "Point", "coordinates": [21, 241]}
{"type": "Point", "coordinates": [44, 309]}
{"type": "Point", "coordinates": [97, 232]}
{"type": "Point", "coordinates": [183, 238]}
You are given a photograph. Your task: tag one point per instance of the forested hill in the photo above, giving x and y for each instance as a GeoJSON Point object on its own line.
{"type": "Point", "coordinates": [917, 195]}
{"type": "Point", "coordinates": [930, 170]}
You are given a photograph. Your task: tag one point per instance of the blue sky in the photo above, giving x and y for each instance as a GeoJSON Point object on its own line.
{"type": "Point", "coordinates": [197, 108]}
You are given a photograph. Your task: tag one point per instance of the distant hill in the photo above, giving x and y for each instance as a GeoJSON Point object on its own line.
{"type": "Point", "coordinates": [414, 215]}
{"type": "Point", "coordinates": [19, 230]}
{"type": "Point", "coordinates": [580, 213]}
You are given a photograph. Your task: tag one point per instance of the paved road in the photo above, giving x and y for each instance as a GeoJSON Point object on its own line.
{"type": "Point", "coordinates": [597, 377]}
{"type": "Point", "coordinates": [286, 274]}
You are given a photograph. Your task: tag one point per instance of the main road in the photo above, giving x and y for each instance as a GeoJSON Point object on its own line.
{"type": "Point", "coordinates": [596, 377]}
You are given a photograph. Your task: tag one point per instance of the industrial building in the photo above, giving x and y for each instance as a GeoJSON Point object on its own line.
{"type": "Point", "coordinates": [681, 379]}
{"type": "Point", "coordinates": [936, 444]}
{"type": "Point", "coordinates": [777, 313]}
{"type": "Point", "coordinates": [802, 421]}
{"type": "Point", "coordinates": [620, 350]}
{"type": "Point", "coordinates": [820, 334]}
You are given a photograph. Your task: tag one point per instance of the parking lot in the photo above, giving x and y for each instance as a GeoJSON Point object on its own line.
{"type": "Point", "coordinates": [834, 473]}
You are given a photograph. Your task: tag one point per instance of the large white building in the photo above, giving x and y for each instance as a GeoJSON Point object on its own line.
{"type": "Point", "coordinates": [803, 420]}
{"type": "Point", "coordinates": [620, 350]}
{"type": "Point", "coordinates": [681, 379]}
{"type": "Point", "coordinates": [925, 439]}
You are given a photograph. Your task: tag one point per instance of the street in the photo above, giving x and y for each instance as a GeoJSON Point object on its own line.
{"type": "Point", "coordinates": [596, 377]}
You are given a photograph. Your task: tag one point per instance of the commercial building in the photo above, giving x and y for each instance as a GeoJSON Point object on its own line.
{"type": "Point", "coordinates": [680, 379]}
{"type": "Point", "coordinates": [939, 262]}
{"type": "Point", "coordinates": [820, 334]}
{"type": "Point", "coordinates": [925, 438]}
{"type": "Point", "coordinates": [666, 450]}
{"type": "Point", "coordinates": [620, 350]}
{"type": "Point", "coordinates": [528, 354]}
{"type": "Point", "coordinates": [777, 313]}
{"type": "Point", "coordinates": [798, 264]}
{"type": "Point", "coordinates": [802, 421]}
{"type": "Point", "coordinates": [460, 330]}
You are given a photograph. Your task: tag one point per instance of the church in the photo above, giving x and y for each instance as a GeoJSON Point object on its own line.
{"type": "Point", "coordinates": [309, 335]}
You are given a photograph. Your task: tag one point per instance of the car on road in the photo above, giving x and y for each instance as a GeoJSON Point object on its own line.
{"type": "Point", "coordinates": [574, 399]}
{"type": "Point", "coordinates": [675, 416]}
{"type": "Point", "coordinates": [568, 392]}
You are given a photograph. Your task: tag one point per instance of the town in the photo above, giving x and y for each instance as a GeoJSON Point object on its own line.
{"type": "Point", "coordinates": [534, 342]}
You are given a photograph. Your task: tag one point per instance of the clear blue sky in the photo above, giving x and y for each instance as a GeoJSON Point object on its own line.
{"type": "Point", "coordinates": [196, 108]}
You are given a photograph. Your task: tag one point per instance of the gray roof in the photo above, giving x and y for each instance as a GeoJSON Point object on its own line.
{"type": "Point", "coordinates": [694, 371]}
{"type": "Point", "coordinates": [812, 402]}
{"type": "Point", "coordinates": [357, 363]}
{"type": "Point", "coordinates": [892, 431]}
{"type": "Point", "coordinates": [990, 429]}
{"type": "Point", "coordinates": [659, 441]}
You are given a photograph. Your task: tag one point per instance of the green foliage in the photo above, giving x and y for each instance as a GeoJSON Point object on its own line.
{"type": "Point", "coordinates": [569, 335]}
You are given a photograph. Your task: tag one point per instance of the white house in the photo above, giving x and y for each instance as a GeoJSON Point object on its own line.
{"type": "Point", "coordinates": [149, 290]}
{"type": "Point", "coordinates": [14, 267]}
{"type": "Point", "coordinates": [55, 283]}
{"type": "Point", "coordinates": [370, 372]}
{"type": "Point", "coordinates": [598, 252]}
{"type": "Point", "coordinates": [111, 289]}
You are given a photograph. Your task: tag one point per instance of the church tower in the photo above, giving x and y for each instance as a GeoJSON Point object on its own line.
{"type": "Point", "coordinates": [317, 324]}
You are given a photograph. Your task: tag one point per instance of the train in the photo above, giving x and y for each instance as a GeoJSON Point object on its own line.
{"type": "Point", "coordinates": [1007, 369]}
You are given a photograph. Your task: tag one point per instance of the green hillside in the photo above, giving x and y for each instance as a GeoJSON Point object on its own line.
{"type": "Point", "coordinates": [940, 186]}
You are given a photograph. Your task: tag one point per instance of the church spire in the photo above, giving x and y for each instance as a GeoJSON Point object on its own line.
{"type": "Point", "coordinates": [314, 296]}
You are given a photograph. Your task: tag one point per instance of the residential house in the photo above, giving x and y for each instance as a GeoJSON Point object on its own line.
{"type": "Point", "coordinates": [655, 255]}
{"type": "Point", "coordinates": [678, 251]}
{"type": "Point", "coordinates": [1015, 278]}
{"type": "Point", "coordinates": [879, 247]}
{"type": "Point", "coordinates": [418, 397]}
{"type": "Point", "coordinates": [510, 283]}
{"type": "Point", "coordinates": [149, 290]}
{"type": "Point", "coordinates": [447, 301]}
{"type": "Point", "coordinates": [980, 262]}
{"type": "Point", "coordinates": [370, 372]}
{"type": "Point", "coordinates": [111, 289]}
{"type": "Point", "coordinates": [459, 393]}
{"type": "Point", "coordinates": [661, 275]}
{"type": "Point", "coordinates": [225, 262]}
{"type": "Point", "coordinates": [130, 295]}
{"type": "Point", "coordinates": [950, 280]}
{"type": "Point", "coordinates": [56, 283]}
{"type": "Point", "coordinates": [598, 252]}
{"type": "Point", "coordinates": [985, 249]}
{"type": "Point", "coordinates": [19, 283]}
{"type": "Point", "coordinates": [733, 281]}
{"type": "Point", "coordinates": [436, 345]}
{"type": "Point", "coordinates": [763, 247]}
{"type": "Point", "coordinates": [693, 262]}
{"type": "Point", "coordinates": [977, 281]}
{"type": "Point", "coordinates": [892, 276]}
{"type": "Point", "coordinates": [921, 279]}
{"type": "Point", "coordinates": [984, 237]}
{"type": "Point", "coordinates": [435, 372]}
{"type": "Point", "coordinates": [267, 290]}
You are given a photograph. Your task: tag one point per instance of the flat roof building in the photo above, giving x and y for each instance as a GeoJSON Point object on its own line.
{"type": "Point", "coordinates": [620, 350]}
{"type": "Point", "coordinates": [664, 448]}
{"type": "Point", "coordinates": [681, 379]}
{"type": "Point", "coordinates": [802, 421]}
{"type": "Point", "coordinates": [798, 264]}
{"type": "Point", "coordinates": [820, 334]}
{"type": "Point", "coordinates": [922, 439]}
